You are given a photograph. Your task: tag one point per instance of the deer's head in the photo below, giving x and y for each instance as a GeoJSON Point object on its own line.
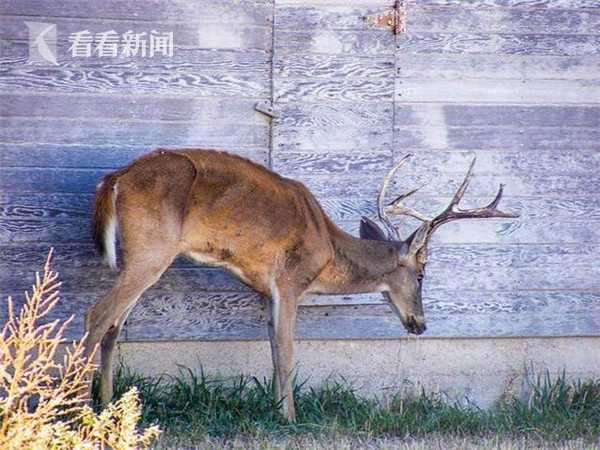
{"type": "Point", "coordinates": [404, 285]}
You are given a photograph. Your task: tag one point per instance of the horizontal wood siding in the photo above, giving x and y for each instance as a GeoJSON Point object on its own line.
{"type": "Point", "coordinates": [62, 127]}
{"type": "Point", "coordinates": [515, 83]}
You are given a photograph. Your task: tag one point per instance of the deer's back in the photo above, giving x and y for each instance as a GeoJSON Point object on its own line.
{"type": "Point", "coordinates": [238, 214]}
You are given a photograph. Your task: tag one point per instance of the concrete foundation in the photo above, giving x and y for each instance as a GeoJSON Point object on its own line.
{"type": "Point", "coordinates": [478, 369]}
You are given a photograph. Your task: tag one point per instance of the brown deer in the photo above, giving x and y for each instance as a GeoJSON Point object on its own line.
{"type": "Point", "coordinates": [269, 231]}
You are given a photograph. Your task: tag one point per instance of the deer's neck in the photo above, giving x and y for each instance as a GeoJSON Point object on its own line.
{"type": "Point", "coordinates": [358, 266]}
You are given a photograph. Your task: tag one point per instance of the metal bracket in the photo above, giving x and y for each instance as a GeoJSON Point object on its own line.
{"type": "Point", "coordinates": [266, 108]}
{"type": "Point", "coordinates": [393, 18]}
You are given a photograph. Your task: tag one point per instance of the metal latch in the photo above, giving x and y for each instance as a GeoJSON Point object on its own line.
{"type": "Point", "coordinates": [393, 18]}
{"type": "Point", "coordinates": [266, 108]}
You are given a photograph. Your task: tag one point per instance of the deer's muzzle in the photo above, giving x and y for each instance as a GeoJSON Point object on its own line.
{"type": "Point", "coordinates": [414, 325]}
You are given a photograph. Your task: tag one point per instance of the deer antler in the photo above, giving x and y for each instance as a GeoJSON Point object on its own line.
{"type": "Point", "coordinates": [381, 210]}
{"type": "Point", "coordinates": [452, 211]}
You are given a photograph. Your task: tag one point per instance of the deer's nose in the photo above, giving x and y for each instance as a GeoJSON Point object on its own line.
{"type": "Point", "coordinates": [415, 326]}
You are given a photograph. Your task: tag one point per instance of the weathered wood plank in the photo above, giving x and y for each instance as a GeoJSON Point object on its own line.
{"type": "Point", "coordinates": [166, 82]}
{"type": "Point", "coordinates": [500, 44]}
{"type": "Point", "coordinates": [545, 4]}
{"type": "Point", "coordinates": [511, 20]}
{"type": "Point", "coordinates": [328, 126]}
{"type": "Point", "coordinates": [368, 42]}
{"type": "Point", "coordinates": [193, 33]}
{"type": "Point", "coordinates": [497, 91]}
{"type": "Point", "coordinates": [90, 156]}
{"type": "Point", "coordinates": [187, 317]}
{"type": "Point", "coordinates": [475, 137]}
{"type": "Point", "coordinates": [332, 66]}
{"type": "Point", "coordinates": [184, 59]}
{"type": "Point", "coordinates": [111, 132]}
{"type": "Point", "coordinates": [357, 163]}
{"type": "Point", "coordinates": [495, 115]}
{"type": "Point", "coordinates": [442, 19]}
{"type": "Point", "coordinates": [507, 67]}
{"type": "Point", "coordinates": [351, 89]}
{"type": "Point", "coordinates": [203, 112]}
{"type": "Point", "coordinates": [434, 164]}
{"type": "Point", "coordinates": [256, 12]}
{"type": "Point", "coordinates": [326, 16]}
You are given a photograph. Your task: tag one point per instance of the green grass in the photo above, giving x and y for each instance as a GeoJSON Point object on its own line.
{"type": "Point", "coordinates": [194, 407]}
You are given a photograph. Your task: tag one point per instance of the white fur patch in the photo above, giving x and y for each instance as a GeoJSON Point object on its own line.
{"type": "Point", "coordinates": [110, 235]}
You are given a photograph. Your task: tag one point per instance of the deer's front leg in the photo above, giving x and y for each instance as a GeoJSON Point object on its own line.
{"type": "Point", "coordinates": [282, 322]}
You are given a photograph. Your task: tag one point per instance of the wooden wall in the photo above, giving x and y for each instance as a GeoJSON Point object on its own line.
{"type": "Point", "coordinates": [514, 82]}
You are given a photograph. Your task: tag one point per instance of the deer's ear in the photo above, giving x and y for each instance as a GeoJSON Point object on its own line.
{"type": "Point", "coordinates": [370, 230]}
{"type": "Point", "coordinates": [419, 240]}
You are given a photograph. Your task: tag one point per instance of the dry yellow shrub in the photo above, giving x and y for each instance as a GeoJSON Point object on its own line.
{"type": "Point", "coordinates": [43, 400]}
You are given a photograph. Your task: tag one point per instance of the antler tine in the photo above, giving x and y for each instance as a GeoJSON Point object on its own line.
{"type": "Point", "coordinates": [463, 187]}
{"type": "Point", "coordinates": [381, 213]}
{"type": "Point", "coordinates": [453, 212]}
{"type": "Point", "coordinates": [395, 207]}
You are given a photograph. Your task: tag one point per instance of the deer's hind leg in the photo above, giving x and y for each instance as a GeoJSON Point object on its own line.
{"type": "Point", "coordinates": [105, 319]}
{"type": "Point", "coordinates": [150, 204]}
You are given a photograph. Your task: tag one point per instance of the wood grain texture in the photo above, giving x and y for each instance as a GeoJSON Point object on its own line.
{"type": "Point", "coordinates": [542, 4]}
{"type": "Point", "coordinates": [180, 317]}
{"type": "Point", "coordinates": [84, 156]}
{"type": "Point", "coordinates": [184, 59]}
{"type": "Point", "coordinates": [365, 42]}
{"type": "Point", "coordinates": [442, 19]}
{"type": "Point", "coordinates": [199, 111]}
{"type": "Point", "coordinates": [258, 12]}
{"type": "Point", "coordinates": [496, 115]}
{"type": "Point", "coordinates": [510, 20]}
{"type": "Point", "coordinates": [148, 133]}
{"type": "Point", "coordinates": [500, 44]}
{"type": "Point", "coordinates": [187, 32]}
{"type": "Point", "coordinates": [498, 91]}
{"type": "Point", "coordinates": [475, 137]}
{"type": "Point", "coordinates": [332, 66]}
{"type": "Point", "coordinates": [499, 67]}
{"type": "Point", "coordinates": [165, 82]}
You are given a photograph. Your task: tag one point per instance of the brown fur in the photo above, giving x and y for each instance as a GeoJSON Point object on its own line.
{"type": "Point", "coordinates": [225, 210]}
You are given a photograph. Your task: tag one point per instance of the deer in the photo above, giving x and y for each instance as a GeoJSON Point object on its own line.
{"type": "Point", "coordinates": [222, 210]}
